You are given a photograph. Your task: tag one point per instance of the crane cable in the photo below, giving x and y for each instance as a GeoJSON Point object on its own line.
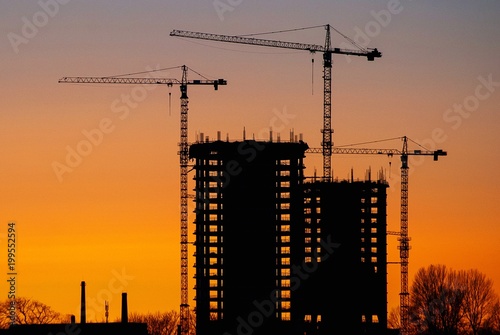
{"type": "Point", "coordinates": [280, 31]}
{"type": "Point", "coordinates": [370, 142]}
{"type": "Point", "coordinates": [420, 145]}
{"type": "Point", "coordinates": [377, 141]}
{"type": "Point", "coordinates": [305, 28]}
{"type": "Point", "coordinates": [169, 85]}
{"type": "Point", "coordinates": [142, 72]}
{"type": "Point", "coordinates": [349, 39]}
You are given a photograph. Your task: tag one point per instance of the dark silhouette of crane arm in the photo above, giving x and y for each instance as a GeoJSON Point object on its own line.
{"type": "Point", "coordinates": [389, 152]}
{"type": "Point", "coordinates": [139, 81]}
{"type": "Point", "coordinates": [371, 53]}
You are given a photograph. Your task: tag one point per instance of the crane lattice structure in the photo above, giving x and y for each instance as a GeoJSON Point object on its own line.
{"type": "Point", "coordinates": [404, 239]}
{"type": "Point", "coordinates": [327, 51]}
{"type": "Point", "coordinates": [184, 159]}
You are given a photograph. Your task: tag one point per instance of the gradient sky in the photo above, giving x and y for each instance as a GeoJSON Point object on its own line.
{"type": "Point", "coordinates": [113, 220]}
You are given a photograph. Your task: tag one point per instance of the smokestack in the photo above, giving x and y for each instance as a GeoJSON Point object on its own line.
{"type": "Point", "coordinates": [83, 313]}
{"type": "Point", "coordinates": [124, 308]}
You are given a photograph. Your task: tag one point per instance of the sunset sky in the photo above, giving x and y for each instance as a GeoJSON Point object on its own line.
{"type": "Point", "coordinates": [110, 217]}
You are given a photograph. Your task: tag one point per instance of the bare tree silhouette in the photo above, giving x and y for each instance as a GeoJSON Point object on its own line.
{"type": "Point", "coordinates": [159, 323]}
{"type": "Point", "coordinates": [28, 311]}
{"type": "Point", "coordinates": [448, 302]}
{"type": "Point", "coordinates": [493, 321]}
{"type": "Point", "coordinates": [480, 301]}
{"type": "Point", "coordinates": [436, 301]}
{"type": "Point", "coordinates": [394, 320]}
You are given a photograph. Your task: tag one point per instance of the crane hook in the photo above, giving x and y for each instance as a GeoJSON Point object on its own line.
{"type": "Point", "coordinates": [169, 99]}
{"type": "Point", "coordinates": [169, 103]}
{"type": "Point", "coordinates": [390, 165]}
{"type": "Point", "coordinates": [312, 75]}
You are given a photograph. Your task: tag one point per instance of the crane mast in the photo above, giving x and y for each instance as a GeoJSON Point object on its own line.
{"type": "Point", "coordinates": [327, 51]}
{"type": "Point", "coordinates": [404, 243]}
{"type": "Point", "coordinates": [327, 108]}
{"type": "Point", "coordinates": [404, 240]}
{"type": "Point", "coordinates": [183, 327]}
{"type": "Point", "coordinates": [184, 159]}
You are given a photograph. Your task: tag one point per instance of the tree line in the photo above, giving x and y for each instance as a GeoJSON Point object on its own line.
{"type": "Point", "coordinates": [444, 301]}
{"type": "Point", "coordinates": [30, 311]}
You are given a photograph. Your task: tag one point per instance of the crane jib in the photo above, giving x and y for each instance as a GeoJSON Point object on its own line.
{"type": "Point", "coordinates": [142, 81]}
{"type": "Point", "coordinates": [371, 54]}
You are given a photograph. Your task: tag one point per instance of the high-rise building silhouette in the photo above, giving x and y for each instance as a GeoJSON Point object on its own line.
{"type": "Point", "coordinates": [278, 255]}
{"type": "Point", "coordinates": [345, 258]}
{"type": "Point", "coordinates": [248, 211]}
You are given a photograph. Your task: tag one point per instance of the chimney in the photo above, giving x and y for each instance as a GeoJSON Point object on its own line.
{"type": "Point", "coordinates": [124, 308]}
{"type": "Point", "coordinates": [83, 313]}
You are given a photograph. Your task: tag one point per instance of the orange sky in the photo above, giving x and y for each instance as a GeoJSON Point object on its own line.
{"type": "Point", "coordinates": [113, 220]}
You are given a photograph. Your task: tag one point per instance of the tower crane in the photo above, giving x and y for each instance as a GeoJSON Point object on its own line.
{"type": "Point", "coordinates": [184, 159]}
{"type": "Point", "coordinates": [327, 51]}
{"type": "Point", "coordinates": [404, 239]}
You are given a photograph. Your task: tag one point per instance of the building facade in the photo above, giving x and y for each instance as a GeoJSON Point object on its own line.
{"type": "Point", "coordinates": [249, 213]}
{"type": "Point", "coordinates": [276, 255]}
{"type": "Point", "coordinates": [346, 244]}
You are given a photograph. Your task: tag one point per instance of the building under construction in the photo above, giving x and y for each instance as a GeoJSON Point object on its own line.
{"type": "Point", "coordinates": [345, 234]}
{"type": "Point", "coordinates": [278, 255]}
